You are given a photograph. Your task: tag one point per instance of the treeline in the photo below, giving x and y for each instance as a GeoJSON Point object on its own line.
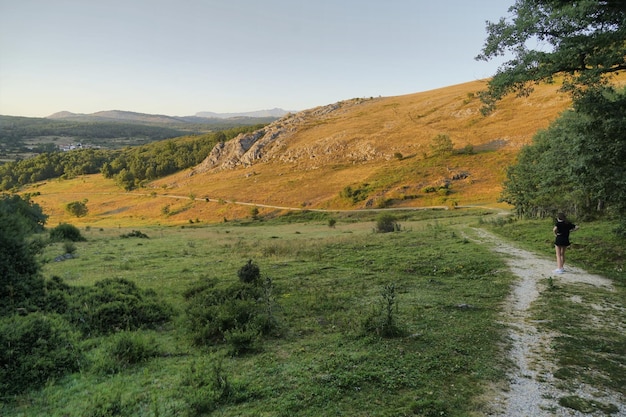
{"type": "Point", "coordinates": [577, 165]}
{"type": "Point", "coordinates": [15, 131]}
{"type": "Point", "coordinates": [130, 167]}
{"type": "Point", "coordinates": [28, 127]}
{"type": "Point", "coordinates": [133, 167]}
{"type": "Point", "coordinates": [53, 165]}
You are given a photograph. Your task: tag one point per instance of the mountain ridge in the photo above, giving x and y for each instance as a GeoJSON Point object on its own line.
{"type": "Point", "coordinates": [136, 117]}
{"type": "Point", "coordinates": [275, 112]}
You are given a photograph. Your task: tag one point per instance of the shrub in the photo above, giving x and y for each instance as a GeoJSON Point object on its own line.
{"type": "Point", "coordinates": [26, 214]}
{"type": "Point", "coordinates": [69, 247]}
{"type": "Point", "coordinates": [21, 285]}
{"type": "Point", "coordinates": [238, 314]}
{"type": "Point", "coordinates": [33, 349]}
{"type": "Point", "coordinates": [387, 223]}
{"type": "Point", "coordinates": [135, 233]}
{"type": "Point", "coordinates": [213, 312]}
{"type": "Point", "coordinates": [441, 145]}
{"type": "Point", "coordinates": [57, 296]}
{"type": "Point", "coordinates": [382, 321]}
{"type": "Point", "coordinates": [77, 208]}
{"type": "Point", "coordinates": [356, 195]}
{"type": "Point", "coordinates": [114, 305]}
{"type": "Point", "coordinates": [64, 232]}
{"type": "Point", "coordinates": [243, 339]}
{"type": "Point", "coordinates": [207, 386]}
{"type": "Point", "coordinates": [249, 273]}
{"type": "Point", "coordinates": [125, 350]}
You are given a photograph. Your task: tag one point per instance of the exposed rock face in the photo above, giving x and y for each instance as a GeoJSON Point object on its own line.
{"type": "Point", "coordinates": [272, 143]}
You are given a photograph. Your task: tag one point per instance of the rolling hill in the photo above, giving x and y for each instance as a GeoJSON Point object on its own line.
{"type": "Point", "coordinates": [354, 154]}
{"type": "Point", "coordinates": [201, 118]}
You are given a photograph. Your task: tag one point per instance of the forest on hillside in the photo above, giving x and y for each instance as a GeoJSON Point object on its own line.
{"type": "Point", "coordinates": [22, 137]}
{"type": "Point", "coordinates": [28, 134]}
{"type": "Point", "coordinates": [130, 166]}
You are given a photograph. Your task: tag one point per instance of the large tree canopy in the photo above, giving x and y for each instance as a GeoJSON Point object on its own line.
{"type": "Point", "coordinates": [578, 164]}
{"type": "Point", "coordinates": [582, 40]}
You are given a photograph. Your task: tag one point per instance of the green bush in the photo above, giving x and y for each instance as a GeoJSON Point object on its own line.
{"type": "Point", "coordinates": [124, 350]}
{"type": "Point", "coordinates": [243, 340]}
{"type": "Point", "coordinates": [249, 273]}
{"type": "Point", "coordinates": [135, 233]}
{"type": "Point", "coordinates": [356, 195]}
{"type": "Point", "coordinates": [441, 145]}
{"type": "Point", "coordinates": [35, 348]}
{"type": "Point", "coordinates": [206, 386]}
{"type": "Point", "coordinates": [21, 285]}
{"type": "Point", "coordinates": [57, 296]}
{"type": "Point", "coordinates": [69, 247]}
{"type": "Point", "coordinates": [28, 215]}
{"type": "Point", "coordinates": [77, 208]}
{"type": "Point", "coordinates": [387, 223]}
{"type": "Point", "coordinates": [110, 306]}
{"type": "Point", "coordinates": [65, 232]}
{"type": "Point", "coordinates": [235, 314]}
{"type": "Point", "coordinates": [213, 312]}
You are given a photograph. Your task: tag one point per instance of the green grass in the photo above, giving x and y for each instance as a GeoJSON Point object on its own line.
{"type": "Point", "coordinates": [328, 281]}
{"type": "Point", "coordinates": [328, 284]}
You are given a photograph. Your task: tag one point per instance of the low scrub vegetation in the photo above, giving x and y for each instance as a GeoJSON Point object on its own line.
{"type": "Point", "coordinates": [286, 315]}
{"type": "Point", "coordinates": [239, 314]}
{"type": "Point", "coordinates": [66, 232]}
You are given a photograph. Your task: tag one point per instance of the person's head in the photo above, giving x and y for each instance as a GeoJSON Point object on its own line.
{"type": "Point", "coordinates": [561, 217]}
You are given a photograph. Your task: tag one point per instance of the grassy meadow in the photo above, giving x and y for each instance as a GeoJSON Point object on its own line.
{"type": "Point", "coordinates": [442, 292]}
{"type": "Point", "coordinates": [366, 324]}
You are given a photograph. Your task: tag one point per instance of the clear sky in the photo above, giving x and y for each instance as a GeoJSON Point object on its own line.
{"type": "Point", "coordinates": [180, 57]}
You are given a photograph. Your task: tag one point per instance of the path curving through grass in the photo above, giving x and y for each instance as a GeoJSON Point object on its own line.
{"type": "Point", "coordinates": [533, 389]}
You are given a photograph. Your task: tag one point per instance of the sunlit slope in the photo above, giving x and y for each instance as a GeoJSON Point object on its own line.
{"type": "Point", "coordinates": [380, 146]}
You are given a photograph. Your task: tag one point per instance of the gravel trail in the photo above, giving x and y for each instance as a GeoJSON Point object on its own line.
{"type": "Point", "coordinates": [532, 389]}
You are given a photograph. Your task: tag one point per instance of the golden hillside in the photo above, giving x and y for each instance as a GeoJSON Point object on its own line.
{"type": "Point", "coordinates": [380, 146]}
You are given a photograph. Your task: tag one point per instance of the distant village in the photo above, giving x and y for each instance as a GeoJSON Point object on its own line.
{"type": "Point", "coordinates": [74, 146]}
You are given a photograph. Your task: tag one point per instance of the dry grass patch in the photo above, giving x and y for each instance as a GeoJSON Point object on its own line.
{"type": "Point", "coordinates": [381, 142]}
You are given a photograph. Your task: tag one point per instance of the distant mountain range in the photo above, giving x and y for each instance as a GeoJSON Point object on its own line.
{"type": "Point", "coordinates": [275, 113]}
{"type": "Point", "coordinates": [133, 117]}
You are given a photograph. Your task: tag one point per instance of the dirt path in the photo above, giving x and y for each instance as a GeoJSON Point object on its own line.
{"type": "Point", "coordinates": [532, 390]}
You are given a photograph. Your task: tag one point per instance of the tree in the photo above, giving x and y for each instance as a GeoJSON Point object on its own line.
{"type": "Point", "coordinates": [125, 179]}
{"type": "Point", "coordinates": [77, 208]}
{"type": "Point", "coordinates": [27, 213]}
{"type": "Point", "coordinates": [582, 40]}
{"type": "Point", "coordinates": [579, 161]}
{"type": "Point", "coordinates": [442, 145]}
{"type": "Point", "coordinates": [600, 152]}
{"type": "Point", "coordinates": [21, 284]}
{"type": "Point", "coordinates": [542, 181]}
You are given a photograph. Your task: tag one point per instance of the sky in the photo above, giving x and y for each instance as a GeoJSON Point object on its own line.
{"type": "Point", "coordinates": [181, 57]}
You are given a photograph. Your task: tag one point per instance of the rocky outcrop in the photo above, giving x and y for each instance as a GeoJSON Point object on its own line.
{"type": "Point", "coordinates": [273, 142]}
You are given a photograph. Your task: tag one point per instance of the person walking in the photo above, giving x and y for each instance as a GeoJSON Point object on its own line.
{"type": "Point", "coordinates": [561, 230]}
